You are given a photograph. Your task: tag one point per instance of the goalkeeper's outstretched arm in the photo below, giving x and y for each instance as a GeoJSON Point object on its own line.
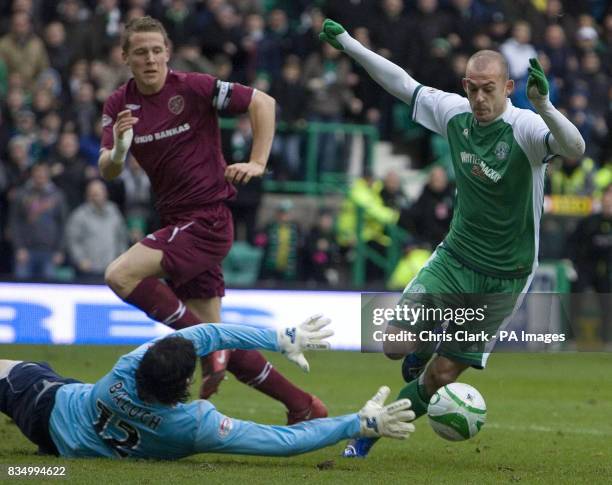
{"type": "Point", "coordinates": [390, 76]}
{"type": "Point", "coordinates": [219, 434]}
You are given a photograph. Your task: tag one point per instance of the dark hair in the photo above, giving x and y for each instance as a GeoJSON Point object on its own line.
{"type": "Point", "coordinates": [142, 24]}
{"type": "Point", "coordinates": [165, 370]}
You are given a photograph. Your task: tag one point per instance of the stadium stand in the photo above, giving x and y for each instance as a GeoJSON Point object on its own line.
{"type": "Point", "coordinates": [335, 125]}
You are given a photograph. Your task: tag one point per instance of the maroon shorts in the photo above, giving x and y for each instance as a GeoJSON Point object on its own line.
{"type": "Point", "coordinates": [194, 246]}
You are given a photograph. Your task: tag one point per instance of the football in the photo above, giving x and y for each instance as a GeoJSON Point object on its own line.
{"type": "Point", "coordinates": [457, 412]}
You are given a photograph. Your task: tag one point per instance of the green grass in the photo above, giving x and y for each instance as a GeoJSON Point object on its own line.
{"type": "Point", "coordinates": [549, 421]}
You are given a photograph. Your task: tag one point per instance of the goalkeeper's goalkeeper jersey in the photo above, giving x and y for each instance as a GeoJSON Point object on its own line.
{"type": "Point", "coordinates": [499, 169]}
{"type": "Point", "coordinates": [108, 419]}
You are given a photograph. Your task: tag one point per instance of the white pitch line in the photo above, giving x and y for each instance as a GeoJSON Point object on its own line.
{"type": "Point", "coordinates": [546, 429]}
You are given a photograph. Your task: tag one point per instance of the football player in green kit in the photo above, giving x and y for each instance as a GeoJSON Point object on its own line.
{"type": "Point", "coordinates": [499, 155]}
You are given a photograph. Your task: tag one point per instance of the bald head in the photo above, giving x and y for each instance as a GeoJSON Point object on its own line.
{"type": "Point", "coordinates": [487, 84]}
{"type": "Point", "coordinates": [487, 60]}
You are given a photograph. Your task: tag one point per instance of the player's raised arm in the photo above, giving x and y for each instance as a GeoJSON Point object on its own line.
{"type": "Point", "coordinates": [111, 161]}
{"type": "Point", "coordinates": [565, 138]}
{"type": "Point", "coordinates": [262, 116]}
{"type": "Point", "coordinates": [390, 76]}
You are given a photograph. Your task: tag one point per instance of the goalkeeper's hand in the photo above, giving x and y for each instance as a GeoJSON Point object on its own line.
{"type": "Point", "coordinates": [330, 32]}
{"type": "Point", "coordinates": [537, 84]}
{"type": "Point", "coordinates": [392, 421]}
{"type": "Point", "coordinates": [310, 335]}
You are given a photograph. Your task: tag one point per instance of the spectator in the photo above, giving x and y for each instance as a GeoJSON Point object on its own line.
{"type": "Point", "coordinates": [430, 216]}
{"type": "Point", "coordinates": [392, 194]}
{"type": "Point", "coordinates": [591, 125]}
{"type": "Point", "coordinates": [110, 74]}
{"type": "Point", "coordinates": [321, 252]}
{"type": "Point", "coordinates": [138, 211]}
{"type": "Point", "coordinates": [105, 27]}
{"type": "Point", "coordinates": [78, 29]}
{"type": "Point", "coordinates": [189, 58]}
{"type": "Point", "coordinates": [290, 95]}
{"type": "Point", "coordinates": [572, 177]}
{"type": "Point", "coordinates": [414, 258]}
{"type": "Point", "coordinates": [69, 170]}
{"type": "Point", "coordinates": [23, 51]}
{"type": "Point", "coordinates": [590, 78]}
{"type": "Point", "coordinates": [389, 32]}
{"type": "Point", "coordinates": [586, 39]}
{"type": "Point", "coordinates": [95, 233]}
{"type": "Point", "coordinates": [427, 23]}
{"type": "Point", "coordinates": [307, 40]}
{"type": "Point", "coordinates": [277, 43]}
{"type": "Point", "coordinates": [327, 80]}
{"type": "Point", "coordinates": [179, 22]}
{"type": "Point", "coordinates": [562, 57]}
{"type": "Point", "coordinates": [84, 111]}
{"type": "Point", "coordinates": [590, 248]}
{"type": "Point", "coordinates": [36, 224]}
{"type": "Point", "coordinates": [517, 50]}
{"type": "Point", "coordinates": [281, 240]}
{"type": "Point", "coordinates": [224, 36]}
{"type": "Point", "coordinates": [364, 200]}
{"type": "Point", "coordinates": [60, 52]}
{"type": "Point", "coordinates": [246, 203]}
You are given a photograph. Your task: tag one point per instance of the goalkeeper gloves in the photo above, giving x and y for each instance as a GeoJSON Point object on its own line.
{"type": "Point", "coordinates": [537, 84]}
{"type": "Point", "coordinates": [393, 420]}
{"type": "Point", "coordinates": [330, 30]}
{"type": "Point", "coordinates": [310, 335]}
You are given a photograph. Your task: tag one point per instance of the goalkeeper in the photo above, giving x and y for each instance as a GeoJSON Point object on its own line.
{"type": "Point", "coordinates": [138, 409]}
{"type": "Point", "coordinates": [499, 155]}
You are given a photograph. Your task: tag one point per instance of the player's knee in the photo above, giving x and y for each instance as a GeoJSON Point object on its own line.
{"type": "Point", "coordinates": [440, 374]}
{"type": "Point", "coordinates": [117, 278]}
{"type": "Point", "coordinates": [393, 347]}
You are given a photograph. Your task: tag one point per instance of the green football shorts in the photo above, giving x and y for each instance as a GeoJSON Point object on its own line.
{"type": "Point", "coordinates": [461, 309]}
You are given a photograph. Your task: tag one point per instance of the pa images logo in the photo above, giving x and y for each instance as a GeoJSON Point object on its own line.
{"type": "Point", "coordinates": [176, 104]}
{"type": "Point", "coordinates": [501, 150]}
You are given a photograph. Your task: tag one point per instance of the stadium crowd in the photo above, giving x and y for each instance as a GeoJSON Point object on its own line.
{"type": "Point", "coordinates": [59, 61]}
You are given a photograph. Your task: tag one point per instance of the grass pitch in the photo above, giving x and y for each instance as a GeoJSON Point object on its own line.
{"type": "Point", "coordinates": [549, 421]}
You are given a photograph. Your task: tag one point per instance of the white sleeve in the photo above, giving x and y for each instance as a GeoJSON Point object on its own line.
{"type": "Point", "coordinates": [433, 108]}
{"type": "Point", "coordinates": [391, 77]}
{"type": "Point", "coordinates": [533, 136]}
{"type": "Point", "coordinates": [565, 138]}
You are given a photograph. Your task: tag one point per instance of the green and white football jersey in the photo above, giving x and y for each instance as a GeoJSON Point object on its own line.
{"type": "Point", "coordinates": [500, 169]}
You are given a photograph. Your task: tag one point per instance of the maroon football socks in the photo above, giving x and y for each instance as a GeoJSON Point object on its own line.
{"type": "Point", "coordinates": [252, 368]}
{"type": "Point", "coordinates": [160, 303]}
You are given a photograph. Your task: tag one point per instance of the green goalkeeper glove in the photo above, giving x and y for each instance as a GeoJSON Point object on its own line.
{"type": "Point", "coordinates": [537, 84]}
{"type": "Point", "coordinates": [330, 30]}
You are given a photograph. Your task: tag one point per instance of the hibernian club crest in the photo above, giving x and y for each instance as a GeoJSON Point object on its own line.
{"type": "Point", "coordinates": [501, 150]}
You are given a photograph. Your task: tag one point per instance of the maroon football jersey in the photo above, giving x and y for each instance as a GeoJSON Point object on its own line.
{"type": "Point", "coordinates": [177, 140]}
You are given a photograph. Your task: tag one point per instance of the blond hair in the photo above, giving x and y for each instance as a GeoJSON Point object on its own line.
{"type": "Point", "coordinates": [142, 24]}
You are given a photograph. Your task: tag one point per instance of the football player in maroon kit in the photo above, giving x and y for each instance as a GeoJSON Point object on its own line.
{"type": "Point", "coordinates": [168, 121]}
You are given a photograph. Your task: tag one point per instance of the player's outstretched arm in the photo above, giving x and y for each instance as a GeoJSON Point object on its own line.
{"type": "Point", "coordinates": [390, 76]}
{"type": "Point", "coordinates": [290, 341]}
{"type": "Point", "coordinates": [566, 140]}
{"type": "Point", "coordinates": [111, 161]}
{"type": "Point", "coordinates": [243, 437]}
{"type": "Point", "coordinates": [262, 114]}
